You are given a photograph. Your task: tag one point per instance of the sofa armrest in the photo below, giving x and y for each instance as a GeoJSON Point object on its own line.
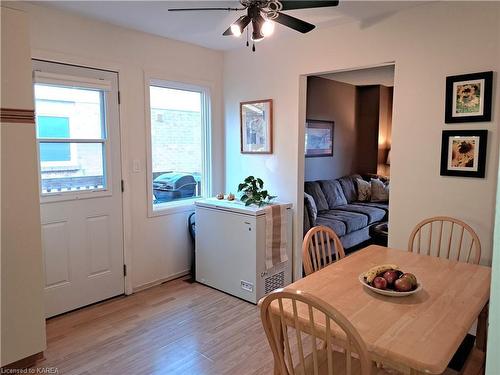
{"type": "Point", "coordinates": [309, 221]}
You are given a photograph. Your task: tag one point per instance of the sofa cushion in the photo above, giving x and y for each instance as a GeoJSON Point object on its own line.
{"type": "Point", "coordinates": [381, 205]}
{"type": "Point", "coordinates": [336, 225]}
{"type": "Point", "coordinates": [333, 193]}
{"type": "Point", "coordinates": [352, 220]}
{"type": "Point", "coordinates": [313, 189]}
{"type": "Point", "coordinates": [372, 213]}
{"type": "Point", "coordinates": [349, 188]}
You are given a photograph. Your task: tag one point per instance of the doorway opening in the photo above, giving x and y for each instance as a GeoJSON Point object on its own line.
{"type": "Point", "coordinates": [347, 154]}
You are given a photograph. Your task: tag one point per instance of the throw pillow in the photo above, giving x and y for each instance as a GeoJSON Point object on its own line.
{"type": "Point", "coordinates": [380, 191]}
{"type": "Point", "coordinates": [313, 189]}
{"type": "Point", "coordinates": [333, 193]}
{"type": "Point", "coordinates": [364, 190]}
{"type": "Point", "coordinates": [311, 206]}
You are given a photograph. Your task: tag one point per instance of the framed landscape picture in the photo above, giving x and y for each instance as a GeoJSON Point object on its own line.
{"type": "Point", "coordinates": [468, 97]}
{"type": "Point", "coordinates": [319, 138]}
{"type": "Point", "coordinates": [463, 153]}
{"type": "Point", "coordinates": [256, 127]}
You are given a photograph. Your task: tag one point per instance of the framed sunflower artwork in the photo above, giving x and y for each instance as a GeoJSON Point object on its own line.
{"type": "Point", "coordinates": [463, 153]}
{"type": "Point", "coordinates": [468, 97]}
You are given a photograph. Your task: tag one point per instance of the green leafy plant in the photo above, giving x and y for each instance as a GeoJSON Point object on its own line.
{"type": "Point", "coordinates": [253, 192]}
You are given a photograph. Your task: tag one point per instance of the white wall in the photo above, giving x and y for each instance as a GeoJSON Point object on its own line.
{"type": "Point", "coordinates": [492, 358]}
{"type": "Point", "coordinates": [155, 248]}
{"type": "Point", "coordinates": [426, 45]}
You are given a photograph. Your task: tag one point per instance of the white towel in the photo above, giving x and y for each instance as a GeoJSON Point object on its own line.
{"type": "Point", "coordinates": [276, 228]}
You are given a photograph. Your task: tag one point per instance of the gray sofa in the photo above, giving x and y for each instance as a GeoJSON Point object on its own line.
{"type": "Point", "coordinates": [338, 209]}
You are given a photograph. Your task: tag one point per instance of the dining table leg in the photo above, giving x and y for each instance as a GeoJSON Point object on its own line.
{"type": "Point", "coordinates": [482, 328]}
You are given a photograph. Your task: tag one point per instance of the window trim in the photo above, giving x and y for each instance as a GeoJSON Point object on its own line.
{"type": "Point", "coordinates": [183, 205]}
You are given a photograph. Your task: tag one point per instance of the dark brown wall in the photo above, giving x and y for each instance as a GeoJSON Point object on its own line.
{"type": "Point", "coordinates": [384, 130]}
{"type": "Point", "coordinates": [367, 119]}
{"type": "Point", "coordinates": [333, 101]}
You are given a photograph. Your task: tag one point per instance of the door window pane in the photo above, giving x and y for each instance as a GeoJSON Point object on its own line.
{"type": "Point", "coordinates": [68, 120]}
{"type": "Point", "coordinates": [176, 144]}
{"type": "Point", "coordinates": [85, 170]}
{"type": "Point", "coordinates": [83, 109]}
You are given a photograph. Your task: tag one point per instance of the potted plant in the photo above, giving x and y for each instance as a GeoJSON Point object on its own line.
{"type": "Point", "coordinates": [253, 192]}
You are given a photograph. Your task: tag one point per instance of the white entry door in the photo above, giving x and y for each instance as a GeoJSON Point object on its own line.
{"type": "Point", "coordinates": [80, 184]}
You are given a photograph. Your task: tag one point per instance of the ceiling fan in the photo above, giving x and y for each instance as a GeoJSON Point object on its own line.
{"type": "Point", "coordinates": [262, 13]}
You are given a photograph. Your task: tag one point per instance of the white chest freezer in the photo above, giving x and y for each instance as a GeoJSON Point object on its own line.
{"type": "Point", "coordinates": [230, 249]}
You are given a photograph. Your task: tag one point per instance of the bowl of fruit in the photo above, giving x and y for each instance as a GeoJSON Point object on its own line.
{"type": "Point", "coordinates": [390, 280]}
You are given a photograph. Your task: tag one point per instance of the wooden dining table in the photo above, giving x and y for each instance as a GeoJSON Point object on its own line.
{"type": "Point", "coordinates": [416, 334]}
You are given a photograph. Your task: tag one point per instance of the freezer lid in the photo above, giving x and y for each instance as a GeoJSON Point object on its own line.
{"type": "Point", "coordinates": [234, 206]}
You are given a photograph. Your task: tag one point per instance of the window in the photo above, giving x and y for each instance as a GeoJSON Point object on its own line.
{"type": "Point", "coordinates": [71, 135]}
{"type": "Point", "coordinates": [180, 143]}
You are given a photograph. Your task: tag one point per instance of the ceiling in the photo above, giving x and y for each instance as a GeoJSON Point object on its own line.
{"type": "Point", "coordinates": [206, 28]}
{"type": "Point", "coordinates": [380, 75]}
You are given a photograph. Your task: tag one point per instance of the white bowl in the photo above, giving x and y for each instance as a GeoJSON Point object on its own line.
{"type": "Point", "coordinates": [388, 292]}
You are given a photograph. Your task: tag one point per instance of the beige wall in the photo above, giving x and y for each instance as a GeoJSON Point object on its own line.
{"type": "Point", "coordinates": [424, 44]}
{"type": "Point", "coordinates": [156, 248]}
{"type": "Point", "coordinates": [22, 320]}
{"type": "Point", "coordinates": [332, 101]}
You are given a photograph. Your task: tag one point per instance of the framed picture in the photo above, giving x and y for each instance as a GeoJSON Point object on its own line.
{"type": "Point", "coordinates": [256, 127]}
{"type": "Point", "coordinates": [319, 138]}
{"type": "Point", "coordinates": [468, 97]}
{"type": "Point", "coordinates": [463, 153]}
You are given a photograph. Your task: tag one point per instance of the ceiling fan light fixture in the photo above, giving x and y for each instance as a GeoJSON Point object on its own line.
{"type": "Point", "coordinates": [267, 28]}
{"type": "Point", "coordinates": [236, 29]}
{"type": "Point", "coordinates": [257, 37]}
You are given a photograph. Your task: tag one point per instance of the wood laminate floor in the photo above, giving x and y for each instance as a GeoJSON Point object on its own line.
{"type": "Point", "coordinates": [173, 328]}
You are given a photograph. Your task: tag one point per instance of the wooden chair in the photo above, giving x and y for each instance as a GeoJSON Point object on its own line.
{"type": "Point", "coordinates": [316, 322]}
{"type": "Point", "coordinates": [447, 231]}
{"type": "Point", "coordinates": [317, 250]}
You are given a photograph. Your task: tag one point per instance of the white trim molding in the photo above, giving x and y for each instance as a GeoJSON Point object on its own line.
{"type": "Point", "coordinates": [206, 142]}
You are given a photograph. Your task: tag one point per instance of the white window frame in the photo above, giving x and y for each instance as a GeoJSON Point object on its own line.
{"type": "Point", "coordinates": [206, 145]}
{"type": "Point", "coordinates": [59, 80]}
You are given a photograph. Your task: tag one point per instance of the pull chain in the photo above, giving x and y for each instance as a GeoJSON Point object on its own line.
{"type": "Point", "coordinates": [247, 38]}
{"type": "Point", "coordinates": [253, 47]}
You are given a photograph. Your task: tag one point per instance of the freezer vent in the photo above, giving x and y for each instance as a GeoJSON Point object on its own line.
{"type": "Point", "coordinates": [274, 282]}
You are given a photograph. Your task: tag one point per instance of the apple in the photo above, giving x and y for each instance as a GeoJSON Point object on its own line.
{"type": "Point", "coordinates": [412, 279]}
{"type": "Point", "coordinates": [390, 276]}
{"type": "Point", "coordinates": [379, 283]}
{"type": "Point", "coordinates": [403, 284]}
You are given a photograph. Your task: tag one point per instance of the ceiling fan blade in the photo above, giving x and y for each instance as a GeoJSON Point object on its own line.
{"type": "Point", "coordinates": [293, 4]}
{"type": "Point", "coordinates": [188, 9]}
{"type": "Point", "coordinates": [294, 23]}
{"type": "Point", "coordinates": [242, 22]}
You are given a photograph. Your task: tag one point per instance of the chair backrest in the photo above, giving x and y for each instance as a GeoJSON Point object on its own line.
{"type": "Point", "coordinates": [313, 320]}
{"type": "Point", "coordinates": [446, 237]}
{"type": "Point", "coordinates": [317, 248]}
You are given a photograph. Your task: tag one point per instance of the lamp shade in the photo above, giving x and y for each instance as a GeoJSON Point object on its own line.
{"type": "Point", "coordinates": [388, 161]}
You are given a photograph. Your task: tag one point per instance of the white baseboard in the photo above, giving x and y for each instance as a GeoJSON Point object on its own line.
{"type": "Point", "coordinates": [160, 281]}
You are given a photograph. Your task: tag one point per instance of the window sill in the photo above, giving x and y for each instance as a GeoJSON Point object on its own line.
{"type": "Point", "coordinates": [173, 207]}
